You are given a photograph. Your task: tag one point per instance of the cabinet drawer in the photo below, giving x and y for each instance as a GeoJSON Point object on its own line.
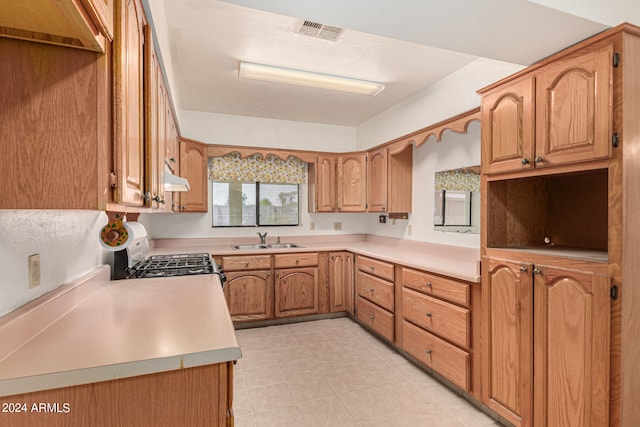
{"type": "Point", "coordinates": [309, 259]}
{"type": "Point", "coordinates": [444, 358]}
{"type": "Point", "coordinates": [441, 287]}
{"type": "Point", "coordinates": [375, 290]}
{"type": "Point", "coordinates": [377, 268]}
{"type": "Point", "coordinates": [447, 320]}
{"type": "Point", "coordinates": [249, 262]}
{"type": "Point", "coordinates": [376, 318]}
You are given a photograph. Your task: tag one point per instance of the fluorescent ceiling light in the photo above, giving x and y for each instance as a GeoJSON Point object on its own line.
{"type": "Point", "coordinates": [307, 78]}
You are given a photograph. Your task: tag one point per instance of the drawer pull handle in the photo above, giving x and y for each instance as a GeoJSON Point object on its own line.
{"type": "Point", "coordinates": [537, 271]}
{"type": "Point", "coordinates": [246, 264]}
{"type": "Point", "coordinates": [371, 317]}
{"type": "Point", "coordinates": [428, 352]}
{"type": "Point", "coordinates": [371, 290]}
{"type": "Point", "coordinates": [372, 268]}
{"type": "Point", "coordinates": [428, 284]}
{"type": "Point", "coordinates": [523, 268]}
{"type": "Point", "coordinates": [428, 314]}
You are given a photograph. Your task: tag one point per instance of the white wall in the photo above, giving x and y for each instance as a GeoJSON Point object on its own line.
{"type": "Point", "coordinates": [67, 242]}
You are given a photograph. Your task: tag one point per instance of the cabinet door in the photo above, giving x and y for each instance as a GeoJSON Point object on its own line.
{"type": "Point", "coordinates": [508, 128]}
{"type": "Point", "coordinates": [155, 128]}
{"type": "Point", "coordinates": [129, 102]}
{"type": "Point", "coordinates": [352, 182]}
{"type": "Point", "coordinates": [377, 181]}
{"type": "Point", "coordinates": [193, 167]}
{"type": "Point", "coordinates": [341, 282]}
{"type": "Point", "coordinates": [507, 358]}
{"type": "Point", "coordinates": [574, 109]}
{"type": "Point", "coordinates": [296, 292]}
{"type": "Point", "coordinates": [572, 333]}
{"type": "Point", "coordinates": [249, 295]}
{"type": "Point", "coordinates": [325, 184]}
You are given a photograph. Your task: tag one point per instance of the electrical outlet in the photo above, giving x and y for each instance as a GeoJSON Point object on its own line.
{"type": "Point", "coordinates": [34, 270]}
{"type": "Point", "coordinates": [312, 225]}
{"type": "Point", "coordinates": [337, 225]}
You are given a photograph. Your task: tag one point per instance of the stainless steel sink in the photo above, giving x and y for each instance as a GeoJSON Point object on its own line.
{"type": "Point", "coordinates": [263, 246]}
{"type": "Point", "coordinates": [283, 246]}
{"type": "Point", "coordinates": [249, 247]}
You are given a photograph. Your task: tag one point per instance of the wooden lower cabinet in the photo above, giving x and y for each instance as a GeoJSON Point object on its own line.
{"type": "Point", "coordinates": [296, 291]}
{"type": "Point", "coordinates": [376, 318]}
{"type": "Point", "coordinates": [196, 396]}
{"type": "Point", "coordinates": [341, 282]}
{"type": "Point", "coordinates": [444, 358]}
{"type": "Point", "coordinates": [547, 334]}
{"type": "Point", "coordinates": [249, 295]}
{"type": "Point", "coordinates": [378, 291]}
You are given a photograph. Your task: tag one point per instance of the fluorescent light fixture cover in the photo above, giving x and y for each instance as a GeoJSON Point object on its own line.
{"type": "Point", "coordinates": [306, 78]}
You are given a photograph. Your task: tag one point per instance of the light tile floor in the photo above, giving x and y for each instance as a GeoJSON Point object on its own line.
{"type": "Point", "coordinates": [333, 373]}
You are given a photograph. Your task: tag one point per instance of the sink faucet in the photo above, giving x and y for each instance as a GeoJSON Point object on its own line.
{"type": "Point", "coordinates": [263, 237]}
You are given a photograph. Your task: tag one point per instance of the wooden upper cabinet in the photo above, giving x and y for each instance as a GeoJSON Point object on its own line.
{"type": "Point", "coordinates": [322, 184]}
{"type": "Point", "coordinates": [193, 167]}
{"type": "Point", "coordinates": [377, 173]}
{"type": "Point", "coordinates": [352, 182]}
{"type": "Point", "coordinates": [559, 114]}
{"type": "Point", "coordinates": [400, 179]}
{"type": "Point", "coordinates": [508, 127]}
{"type": "Point", "coordinates": [129, 103]}
{"type": "Point", "coordinates": [83, 24]}
{"type": "Point", "coordinates": [574, 109]}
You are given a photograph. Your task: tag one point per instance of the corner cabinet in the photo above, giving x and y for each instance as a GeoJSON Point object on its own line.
{"type": "Point", "coordinates": [193, 167]}
{"type": "Point", "coordinates": [560, 115]}
{"type": "Point", "coordinates": [341, 282]}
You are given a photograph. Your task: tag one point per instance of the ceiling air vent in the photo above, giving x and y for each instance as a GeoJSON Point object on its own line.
{"type": "Point", "coordinates": [321, 31]}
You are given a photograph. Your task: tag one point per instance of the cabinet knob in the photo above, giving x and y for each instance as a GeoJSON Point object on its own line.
{"type": "Point", "coordinates": [297, 261]}
{"type": "Point", "coordinates": [539, 159]}
{"type": "Point", "coordinates": [429, 284]}
{"type": "Point", "coordinates": [537, 271]}
{"type": "Point", "coordinates": [158, 199]}
{"type": "Point", "coordinates": [525, 161]}
{"type": "Point", "coordinates": [372, 268]}
{"type": "Point", "coordinates": [246, 264]}
{"type": "Point", "coordinates": [371, 290]}
{"type": "Point", "coordinates": [428, 314]}
{"type": "Point", "coordinates": [371, 317]}
{"type": "Point", "coordinates": [428, 352]}
{"type": "Point", "coordinates": [523, 268]}
{"type": "Point", "coordinates": [172, 159]}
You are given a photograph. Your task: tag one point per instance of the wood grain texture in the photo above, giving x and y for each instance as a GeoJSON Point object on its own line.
{"type": "Point", "coordinates": [192, 396]}
{"type": "Point", "coordinates": [448, 321]}
{"type": "Point", "coordinates": [376, 290]}
{"type": "Point", "coordinates": [246, 262]}
{"type": "Point", "coordinates": [306, 259]}
{"type": "Point", "coordinates": [341, 282]}
{"type": "Point", "coordinates": [377, 173]}
{"type": "Point", "coordinates": [59, 165]}
{"type": "Point", "coordinates": [296, 292]}
{"type": "Point", "coordinates": [193, 166]}
{"type": "Point", "coordinates": [323, 184]}
{"type": "Point", "coordinates": [249, 295]}
{"type": "Point", "coordinates": [444, 358]}
{"type": "Point", "coordinates": [376, 318]}
{"type": "Point", "coordinates": [442, 287]}
{"type": "Point", "coordinates": [352, 182]}
{"type": "Point", "coordinates": [384, 270]}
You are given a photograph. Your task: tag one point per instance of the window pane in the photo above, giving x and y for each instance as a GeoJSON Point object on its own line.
{"type": "Point", "coordinates": [234, 204]}
{"type": "Point", "coordinates": [278, 204]}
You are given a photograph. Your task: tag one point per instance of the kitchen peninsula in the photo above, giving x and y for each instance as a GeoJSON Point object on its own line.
{"type": "Point", "coordinates": [137, 352]}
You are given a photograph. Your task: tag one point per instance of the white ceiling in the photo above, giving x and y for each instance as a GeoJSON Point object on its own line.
{"type": "Point", "coordinates": [405, 44]}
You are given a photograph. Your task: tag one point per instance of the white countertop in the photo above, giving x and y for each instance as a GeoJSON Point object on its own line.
{"type": "Point", "coordinates": [101, 330]}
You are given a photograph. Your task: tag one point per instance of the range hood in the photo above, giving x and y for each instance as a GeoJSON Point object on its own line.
{"type": "Point", "coordinates": [175, 183]}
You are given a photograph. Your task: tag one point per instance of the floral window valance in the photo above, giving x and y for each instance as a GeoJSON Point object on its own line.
{"type": "Point", "coordinates": [232, 168]}
{"type": "Point", "coordinates": [457, 180]}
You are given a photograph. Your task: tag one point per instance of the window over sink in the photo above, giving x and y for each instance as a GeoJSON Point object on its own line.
{"type": "Point", "coordinates": [252, 191]}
